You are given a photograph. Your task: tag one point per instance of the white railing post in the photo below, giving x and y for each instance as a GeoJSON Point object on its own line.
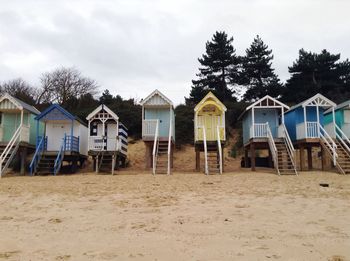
{"type": "Point", "coordinates": [219, 148]}
{"type": "Point", "coordinates": [155, 144]}
{"type": "Point", "coordinates": [205, 151]}
{"type": "Point", "coordinates": [169, 145]}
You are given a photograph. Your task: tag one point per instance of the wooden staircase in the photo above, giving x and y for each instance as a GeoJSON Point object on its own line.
{"type": "Point", "coordinates": [342, 154]}
{"type": "Point", "coordinates": [213, 159]}
{"type": "Point", "coordinates": [106, 162]}
{"type": "Point", "coordinates": [162, 158]}
{"type": "Point", "coordinates": [8, 159]}
{"type": "Point", "coordinates": [285, 164]}
{"type": "Point", "coordinates": [46, 165]}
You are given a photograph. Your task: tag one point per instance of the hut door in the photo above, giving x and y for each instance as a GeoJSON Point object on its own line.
{"type": "Point", "coordinates": [210, 127]}
{"type": "Point", "coordinates": [105, 137]}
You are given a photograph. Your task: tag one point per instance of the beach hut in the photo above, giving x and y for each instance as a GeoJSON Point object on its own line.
{"type": "Point", "coordinates": [339, 130]}
{"type": "Point", "coordinates": [158, 131]}
{"type": "Point", "coordinates": [108, 139]}
{"type": "Point", "coordinates": [209, 133]}
{"type": "Point", "coordinates": [264, 129]}
{"type": "Point", "coordinates": [305, 125]}
{"type": "Point", "coordinates": [64, 141]}
{"type": "Point", "coordinates": [17, 131]}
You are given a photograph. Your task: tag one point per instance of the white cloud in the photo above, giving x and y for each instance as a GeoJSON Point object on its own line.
{"type": "Point", "coordinates": [132, 47]}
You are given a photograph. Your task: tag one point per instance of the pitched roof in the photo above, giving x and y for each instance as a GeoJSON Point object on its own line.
{"type": "Point", "coordinates": [100, 108]}
{"type": "Point", "coordinates": [270, 103]}
{"type": "Point", "coordinates": [63, 111]}
{"type": "Point", "coordinates": [20, 104]}
{"type": "Point", "coordinates": [212, 96]}
{"type": "Point", "coordinates": [339, 106]}
{"type": "Point", "coordinates": [156, 92]}
{"type": "Point", "coordinates": [316, 100]}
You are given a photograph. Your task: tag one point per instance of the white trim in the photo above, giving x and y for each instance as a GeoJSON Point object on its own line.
{"type": "Point", "coordinates": [210, 95]}
{"type": "Point", "coordinates": [318, 100]}
{"type": "Point", "coordinates": [11, 99]}
{"type": "Point", "coordinates": [102, 107]}
{"type": "Point", "coordinates": [267, 97]}
{"type": "Point", "coordinates": [156, 91]}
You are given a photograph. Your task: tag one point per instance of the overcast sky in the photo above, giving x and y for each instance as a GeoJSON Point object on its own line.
{"type": "Point", "coordinates": [132, 47]}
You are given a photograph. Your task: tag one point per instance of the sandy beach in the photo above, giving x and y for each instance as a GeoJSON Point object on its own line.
{"type": "Point", "coordinates": [134, 216]}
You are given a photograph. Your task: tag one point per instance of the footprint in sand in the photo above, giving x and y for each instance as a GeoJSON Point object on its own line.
{"type": "Point", "coordinates": [8, 254]}
{"type": "Point", "coordinates": [63, 257]}
{"type": "Point", "coordinates": [337, 258]}
{"type": "Point", "coordinates": [55, 220]}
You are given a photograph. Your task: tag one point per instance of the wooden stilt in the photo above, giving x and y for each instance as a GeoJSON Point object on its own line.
{"type": "Point", "coordinates": [323, 159]}
{"type": "Point", "coordinates": [148, 156]}
{"type": "Point", "coordinates": [246, 164]}
{"type": "Point", "coordinates": [252, 156]}
{"type": "Point", "coordinates": [270, 159]}
{"type": "Point", "coordinates": [198, 160]}
{"type": "Point", "coordinates": [23, 154]}
{"type": "Point", "coordinates": [302, 158]}
{"type": "Point", "coordinates": [309, 158]}
{"type": "Point", "coordinates": [223, 157]}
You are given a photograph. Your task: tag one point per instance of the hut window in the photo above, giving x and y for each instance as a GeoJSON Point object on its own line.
{"type": "Point", "coordinates": [93, 129]}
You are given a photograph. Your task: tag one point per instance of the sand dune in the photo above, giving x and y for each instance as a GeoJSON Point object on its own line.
{"type": "Point", "coordinates": [235, 216]}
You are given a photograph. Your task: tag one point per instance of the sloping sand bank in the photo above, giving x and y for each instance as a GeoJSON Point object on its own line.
{"type": "Point", "coordinates": [236, 216]}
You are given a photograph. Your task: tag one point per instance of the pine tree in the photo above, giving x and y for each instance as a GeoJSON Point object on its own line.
{"type": "Point", "coordinates": [257, 74]}
{"type": "Point", "coordinates": [219, 71]}
{"type": "Point", "coordinates": [315, 73]}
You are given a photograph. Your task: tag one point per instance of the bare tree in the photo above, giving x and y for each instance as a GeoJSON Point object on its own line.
{"type": "Point", "coordinates": [63, 83]}
{"type": "Point", "coordinates": [20, 89]}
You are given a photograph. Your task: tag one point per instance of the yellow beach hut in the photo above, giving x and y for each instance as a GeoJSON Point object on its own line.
{"type": "Point", "coordinates": [209, 133]}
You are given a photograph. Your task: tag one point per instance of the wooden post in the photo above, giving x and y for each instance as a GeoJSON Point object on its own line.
{"type": "Point", "coordinates": [302, 157]}
{"type": "Point", "coordinates": [309, 157]}
{"type": "Point", "coordinates": [246, 165]}
{"type": "Point", "coordinates": [97, 164]}
{"type": "Point", "coordinates": [148, 156]}
{"type": "Point", "coordinates": [198, 160]}
{"type": "Point", "coordinates": [270, 159]}
{"type": "Point", "coordinates": [252, 156]}
{"type": "Point", "coordinates": [323, 159]}
{"type": "Point", "coordinates": [23, 154]}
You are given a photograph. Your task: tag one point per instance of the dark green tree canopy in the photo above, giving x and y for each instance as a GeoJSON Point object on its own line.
{"type": "Point", "coordinates": [258, 76]}
{"type": "Point", "coordinates": [218, 72]}
{"type": "Point", "coordinates": [315, 73]}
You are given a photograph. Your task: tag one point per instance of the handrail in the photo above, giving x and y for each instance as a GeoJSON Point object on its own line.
{"type": "Point", "coordinates": [272, 146]}
{"type": "Point", "coordinates": [169, 145]}
{"type": "Point", "coordinates": [219, 148]}
{"type": "Point", "coordinates": [9, 146]}
{"type": "Point", "coordinates": [205, 151]}
{"type": "Point", "coordinates": [325, 137]}
{"type": "Point", "coordinates": [37, 155]}
{"type": "Point", "coordinates": [59, 158]}
{"type": "Point", "coordinates": [342, 137]}
{"type": "Point", "coordinates": [155, 145]}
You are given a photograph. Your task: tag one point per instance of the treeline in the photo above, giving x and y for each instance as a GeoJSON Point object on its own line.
{"type": "Point", "coordinates": [236, 80]}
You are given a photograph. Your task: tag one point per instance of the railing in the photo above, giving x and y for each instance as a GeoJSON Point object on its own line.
{"type": "Point", "coordinates": [219, 148]}
{"type": "Point", "coordinates": [169, 145]}
{"type": "Point", "coordinates": [8, 149]}
{"type": "Point", "coordinates": [149, 128]}
{"type": "Point", "coordinates": [330, 143]}
{"type": "Point", "coordinates": [205, 151]}
{"type": "Point", "coordinates": [343, 138]}
{"type": "Point", "coordinates": [272, 146]}
{"type": "Point", "coordinates": [259, 130]}
{"type": "Point", "coordinates": [59, 158]}
{"type": "Point", "coordinates": [155, 147]}
{"type": "Point", "coordinates": [312, 130]}
{"type": "Point", "coordinates": [290, 147]}
{"type": "Point", "coordinates": [40, 148]}
{"type": "Point", "coordinates": [71, 143]}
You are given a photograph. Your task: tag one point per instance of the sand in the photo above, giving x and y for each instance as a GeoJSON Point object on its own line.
{"type": "Point", "coordinates": [132, 216]}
